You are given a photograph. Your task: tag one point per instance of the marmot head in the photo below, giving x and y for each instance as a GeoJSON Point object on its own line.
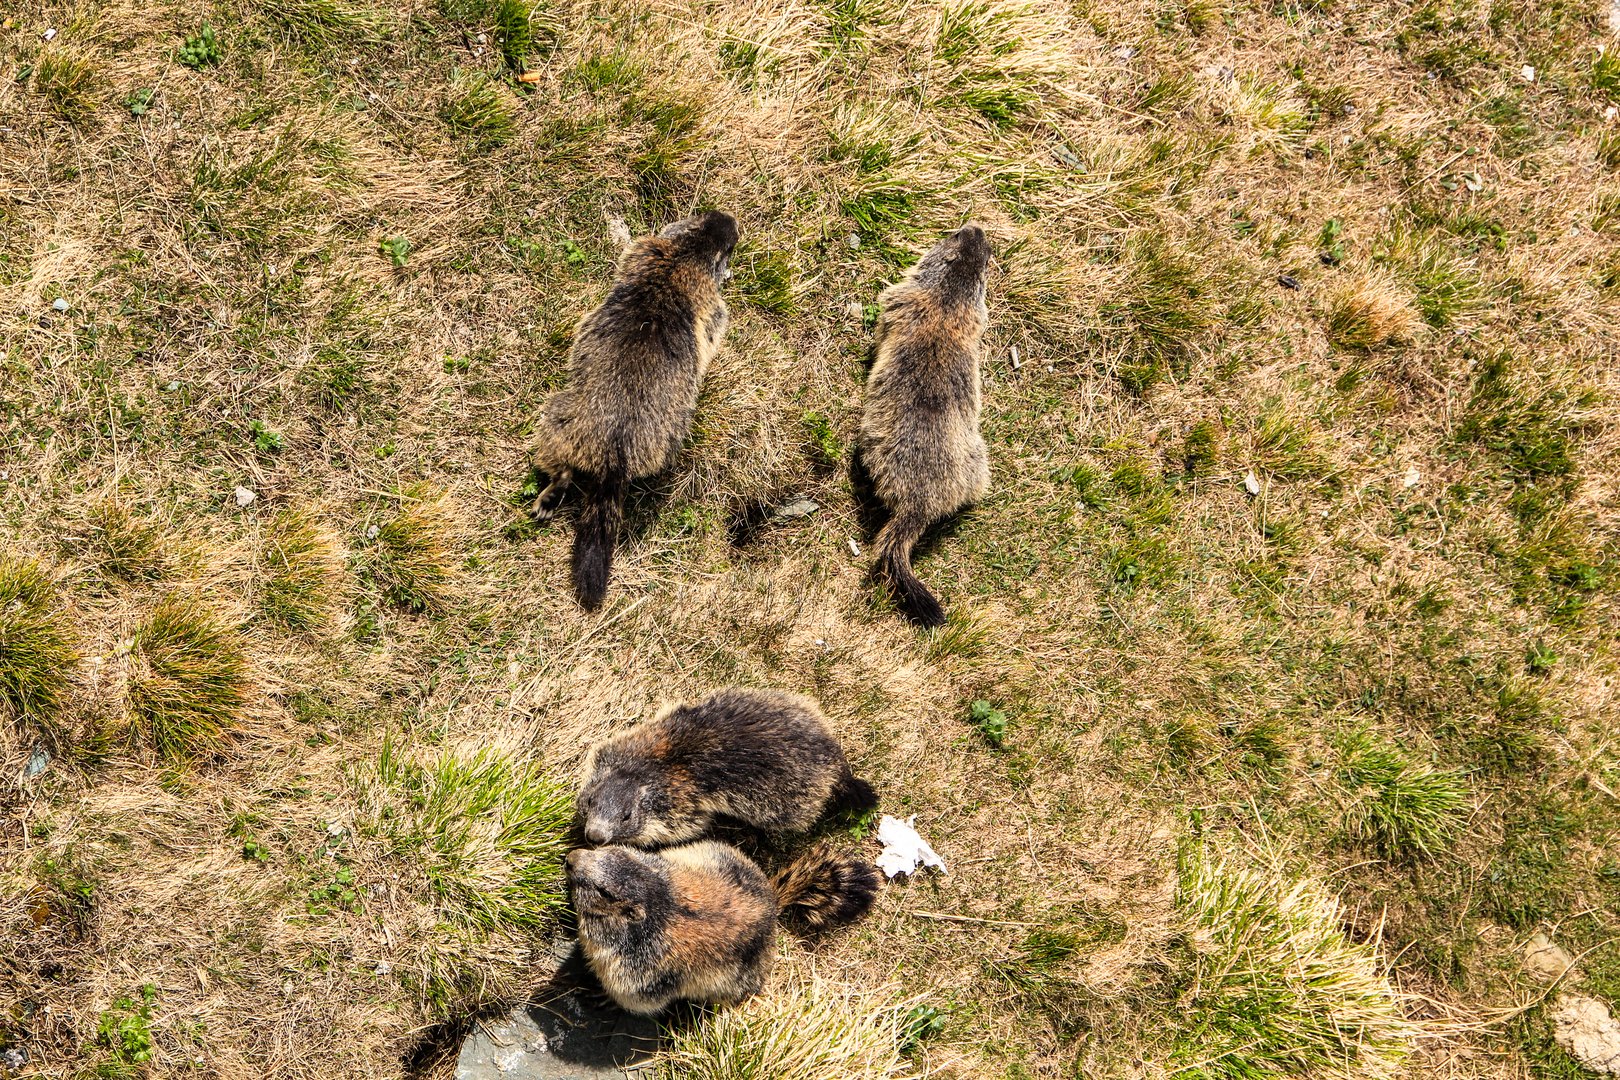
{"type": "Point", "coordinates": [617, 886]}
{"type": "Point", "coordinates": [955, 266]}
{"type": "Point", "coordinates": [706, 238]}
{"type": "Point", "coordinates": [622, 802]}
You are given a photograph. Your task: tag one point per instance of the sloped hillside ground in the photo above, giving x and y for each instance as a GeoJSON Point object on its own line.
{"type": "Point", "coordinates": [1276, 712]}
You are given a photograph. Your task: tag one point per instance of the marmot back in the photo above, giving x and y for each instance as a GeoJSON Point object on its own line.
{"type": "Point", "coordinates": [696, 923]}
{"type": "Point", "coordinates": [763, 757]}
{"type": "Point", "coordinates": [634, 374]}
{"type": "Point", "coordinates": [919, 436]}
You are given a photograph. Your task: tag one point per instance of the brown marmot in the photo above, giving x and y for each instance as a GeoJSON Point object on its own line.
{"type": "Point", "coordinates": [633, 378]}
{"type": "Point", "coordinates": [696, 923]}
{"type": "Point", "coordinates": [919, 437]}
{"type": "Point", "coordinates": [762, 757]}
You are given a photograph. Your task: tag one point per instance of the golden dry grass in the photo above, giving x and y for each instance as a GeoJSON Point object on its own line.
{"type": "Point", "coordinates": [339, 270]}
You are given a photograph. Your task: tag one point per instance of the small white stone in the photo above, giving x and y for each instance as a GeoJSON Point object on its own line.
{"type": "Point", "coordinates": [59, 304]}
{"type": "Point", "coordinates": [372, 531]}
{"type": "Point", "coordinates": [1527, 73]}
{"type": "Point", "coordinates": [49, 33]}
{"type": "Point", "coordinates": [1610, 113]}
{"type": "Point", "coordinates": [1412, 478]}
{"type": "Point", "coordinates": [1251, 483]}
{"type": "Point", "coordinates": [172, 385]}
{"type": "Point", "coordinates": [854, 242]}
{"type": "Point", "coordinates": [854, 548]}
{"type": "Point", "coordinates": [383, 968]}
{"type": "Point", "coordinates": [244, 497]}
{"type": "Point", "coordinates": [334, 829]}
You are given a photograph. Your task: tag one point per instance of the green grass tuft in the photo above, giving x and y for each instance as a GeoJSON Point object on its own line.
{"type": "Point", "coordinates": [119, 544]}
{"type": "Point", "coordinates": [1166, 305]}
{"type": "Point", "coordinates": [523, 29]}
{"type": "Point", "coordinates": [329, 22]}
{"type": "Point", "coordinates": [408, 559]}
{"type": "Point", "coordinates": [811, 1029]}
{"type": "Point", "coordinates": [36, 651]}
{"type": "Point", "coordinates": [303, 573]}
{"type": "Point", "coordinates": [68, 81]}
{"type": "Point", "coordinates": [479, 109]}
{"type": "Point", "coordinates": [1399, 806]}
{"type": "Point", "coordinates": [490, 834]}
{"type": "Point", "coordinates": [765, 280]}
{"type": "Point", "coordinates": [1272, 987]}
{"type": "Point", "coordinates": [187, 681]}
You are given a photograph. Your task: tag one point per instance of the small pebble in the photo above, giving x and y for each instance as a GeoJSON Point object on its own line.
{"type": "Point", "coordinates": [49, 33]}
{"type": "Point", "coordinates": [854, 548]}
{"type": "Point", "coordinates": [854, 242]}
{"type": "Point", "coordinates": [59, 304]}
{"type": "Point", "coordinates": [244, 497]}
{"type": "Point", "coordinates": [372, 531]}
{"type": "Point", "coordinates": [1288, 281]}
{"type": "Point", "coordinates": [172, 385]}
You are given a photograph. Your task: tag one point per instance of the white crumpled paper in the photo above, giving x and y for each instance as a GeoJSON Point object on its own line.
{"type": "Point", "coordinates": [903, 849]}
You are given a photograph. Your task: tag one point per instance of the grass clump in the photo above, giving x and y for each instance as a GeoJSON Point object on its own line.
{"type": "Point", "coordinates": [68, 81]}
{"type": "Point", "coordinates": [1528, 421]}
{"type": "Point", "coordinates": [1271, 986]}
{"type": "Point", "coordinates": [1447, 288]}
{"type": "Point", "coordinates": [1167, 307]}
{"type": "Point", "coordinates": [328, 22]}
{"type": "Point", "coordinates": [675, 126]}
{"type": "Point", "coordinates": [490, 832]}
{"type": "Point", "coordinates": [1287, 447]}
{"type": "Point", "coordinates": [812, 1029]}
{"type": "Point", "coordinates": [187, 680]}
{"type": "Point", "coordinates": [1399, 806]}
{"type": "Point", "coordinates": [478, 109]}
{"type": "Point", "coordinates": [119, 544]}
{"type": "Point", "coordinates": [1369, 312]}
{"type": "Point", "coordinates": [36, 652]}
{"type": "Point", "coordinates": [408, 560]}
{"type": "Point", "coordinates": [765, 280]}
{"type": "Point", "coordinates": [304, 573]}
{"type": "Point", "coordinates": [523, 30]}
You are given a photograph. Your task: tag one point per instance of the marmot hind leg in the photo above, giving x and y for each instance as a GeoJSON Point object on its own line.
{"type": "Point", "coordinates": [551, 496]}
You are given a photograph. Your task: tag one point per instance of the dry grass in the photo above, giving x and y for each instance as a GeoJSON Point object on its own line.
{"type": "Point", "coordinates": [331, 253]}
{"type": "Point", "coordinates": [1370, 312]}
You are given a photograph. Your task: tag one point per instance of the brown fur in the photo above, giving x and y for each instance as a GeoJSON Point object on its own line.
{"type": "Point", "coordinates": [762, 757]}
{"type": "Point", "coordinates": [919, 436]}
{"type": "Point", "coordinates": [697, 922]}
{"type": "Point", "coordinates": [634, 373]}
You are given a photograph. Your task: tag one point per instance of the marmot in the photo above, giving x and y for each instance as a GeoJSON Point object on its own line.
{"type": "Point", "coordinates": [695, 923]}
{"type": "Point", "coordinates": [919, 436]}
{"type": "Point", "coordinates": [634, 373]}
{"type": "Point", "coordinates": [762, 757]}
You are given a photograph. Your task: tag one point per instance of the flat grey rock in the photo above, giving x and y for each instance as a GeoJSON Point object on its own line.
{"type": "Point", "coordinates": [569, 1032]}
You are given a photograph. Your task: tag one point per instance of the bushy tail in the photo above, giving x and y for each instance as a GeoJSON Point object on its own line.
{"type": "Point", "coordinates": [594, 537]}
{"type": "Point", "coordinates": [821, 890]}
{"type": "Point", "coordinates": [852, 795]}
{"type": "Point", "coordinates": [894, 544]}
